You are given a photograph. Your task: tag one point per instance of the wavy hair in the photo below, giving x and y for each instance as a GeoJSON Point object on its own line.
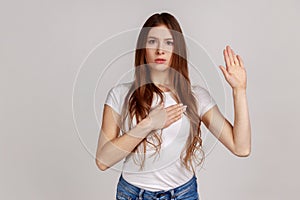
{"type": "Point", "coordinates": [141, 92]}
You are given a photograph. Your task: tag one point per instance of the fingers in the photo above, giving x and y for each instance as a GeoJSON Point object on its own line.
{"type": "Point", "coordinates": [169, 108]}
{"type": "Point", "coordinates": [174, 119]}
{"type": "Point", "coordinates": [236, 61]}
{"type": "Point", "coordinates": [241, 61]}
{"type": "Point", "coordinates": [230, 57]}
{"type": "Point", "coordinates": [173, 113]}
{"type": "Point", "coordinates": [227, 59]}
{"type": "Point", "coordinates": [176, 113]}
{"type": "Point", "coordinates": [174, 109]}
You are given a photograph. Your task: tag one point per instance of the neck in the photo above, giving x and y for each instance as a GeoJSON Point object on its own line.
{"type": "Point", "coordinates": [161, 79]}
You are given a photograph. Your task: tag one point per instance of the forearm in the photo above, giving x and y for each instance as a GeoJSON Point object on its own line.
{"type": "Point", "coordinates": [117, 149]}
{"type": "Point", "coordinates": [242, 127]}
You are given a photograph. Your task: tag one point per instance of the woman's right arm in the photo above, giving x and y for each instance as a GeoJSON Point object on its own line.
{"type": "Point", "coordinates": [111, 149]}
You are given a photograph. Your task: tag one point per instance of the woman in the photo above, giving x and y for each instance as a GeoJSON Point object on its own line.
{"type": "Point", "coordinates": [160, 113]}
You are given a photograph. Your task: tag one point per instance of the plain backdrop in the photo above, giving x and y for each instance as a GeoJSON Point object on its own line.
{"type": "Point", "coordinates": [44, 43]}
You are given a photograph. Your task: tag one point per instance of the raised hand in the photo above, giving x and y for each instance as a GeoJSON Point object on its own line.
{"type": "Point", "coordinates": [235, 72]}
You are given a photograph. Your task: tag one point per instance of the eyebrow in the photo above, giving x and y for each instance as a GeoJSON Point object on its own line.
{"type": "Point", "coordinates": [156, 38]}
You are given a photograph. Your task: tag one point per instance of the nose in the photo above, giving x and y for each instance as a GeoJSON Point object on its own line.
{"type": "Point", "coordinates": [159, 49]}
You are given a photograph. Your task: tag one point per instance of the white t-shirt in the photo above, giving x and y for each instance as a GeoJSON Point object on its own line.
{"type": "Point", "coordinates": [165, 170]}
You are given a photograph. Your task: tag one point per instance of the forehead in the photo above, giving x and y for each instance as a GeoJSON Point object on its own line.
{"type": "Point", "coordinates": [160, 32]}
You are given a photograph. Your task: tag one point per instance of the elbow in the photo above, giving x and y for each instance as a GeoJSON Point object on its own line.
{"type": "Point", "coordinates": [244, 153]}
{"type": "Point", "coordinates": [101, 166]}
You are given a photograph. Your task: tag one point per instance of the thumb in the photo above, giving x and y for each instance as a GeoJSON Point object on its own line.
{"type": "Point", "coordinates": [223, 71]}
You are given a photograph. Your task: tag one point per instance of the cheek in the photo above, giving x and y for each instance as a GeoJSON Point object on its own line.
{"type": "Point", "coordinates": [148, 58]}
{"type": "Point", "coordinates": [170, 57]}
{"type": "Point", "coordinates": [150, 54]}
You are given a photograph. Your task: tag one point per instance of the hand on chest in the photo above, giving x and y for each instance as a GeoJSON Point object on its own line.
{"type": "Point", "coordinates": [175, 133]}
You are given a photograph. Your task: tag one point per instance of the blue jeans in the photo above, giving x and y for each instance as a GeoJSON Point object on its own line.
{"type": "Point", "coordinates": [187, 191]}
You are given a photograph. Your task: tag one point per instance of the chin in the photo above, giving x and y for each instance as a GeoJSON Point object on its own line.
{"type": "Point", "coordinates": [159, 67]}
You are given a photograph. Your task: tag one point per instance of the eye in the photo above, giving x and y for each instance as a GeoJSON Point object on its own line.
{"type": "Point", "coordinates": [169, 43]}
{"type": "Point", "coordinates": [151, 41]}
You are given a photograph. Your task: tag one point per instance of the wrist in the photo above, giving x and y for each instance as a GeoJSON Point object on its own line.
{"type": "Point", "coordinates": [146, 124]}
{"type": "Point", "coordinates": [142, 129]}
{"type": "Point", "coordinates": [239, 91]}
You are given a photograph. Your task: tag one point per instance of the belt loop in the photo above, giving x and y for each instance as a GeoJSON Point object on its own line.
{"type": "Point", "coordinates": [172, 194]}
{"type": "Point", "coordinates": [141, 194]}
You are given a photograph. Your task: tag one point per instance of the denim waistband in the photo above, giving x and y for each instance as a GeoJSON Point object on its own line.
{"type": "Point", "coordinates": [140, 192]}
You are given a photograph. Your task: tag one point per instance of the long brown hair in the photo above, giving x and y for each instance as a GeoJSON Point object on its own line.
{"type": "Point", "coordinates": [140, 94]}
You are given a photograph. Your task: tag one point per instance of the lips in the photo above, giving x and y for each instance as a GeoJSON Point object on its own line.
{"type": "Point", "coordinates": [160, 60]}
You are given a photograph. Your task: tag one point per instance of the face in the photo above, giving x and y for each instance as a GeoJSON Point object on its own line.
{"type": "Point", "coordinates": [159, 48]}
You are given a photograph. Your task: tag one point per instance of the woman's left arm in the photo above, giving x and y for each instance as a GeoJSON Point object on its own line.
{"type": "Point", "coordinates": [236, 138]}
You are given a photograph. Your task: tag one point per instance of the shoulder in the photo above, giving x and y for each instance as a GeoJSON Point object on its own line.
{"type": "Point", "coordinates": [116, 95]}
{"type": "Point", "coordinates": [199, 90]}
{"type": "Point", "coordinates": [205, 100]}
{"type": "Point", "coordinates": [120, 88]}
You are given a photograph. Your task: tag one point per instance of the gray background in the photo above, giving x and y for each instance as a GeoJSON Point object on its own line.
{"type": "Point", "coordinates": [43, 43]}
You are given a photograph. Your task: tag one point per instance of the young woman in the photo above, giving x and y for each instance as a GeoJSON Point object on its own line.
{"type": "Point", "coordinates": [156, 118]}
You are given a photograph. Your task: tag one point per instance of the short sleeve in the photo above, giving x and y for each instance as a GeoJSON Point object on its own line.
{"type": "Point", "coordinates": [113, 99]}
{"type": "Point", "coordinates": [205, 100]}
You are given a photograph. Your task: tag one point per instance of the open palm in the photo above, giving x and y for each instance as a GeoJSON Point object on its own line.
{"type": "Point", "coordinates": [235, 72]}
